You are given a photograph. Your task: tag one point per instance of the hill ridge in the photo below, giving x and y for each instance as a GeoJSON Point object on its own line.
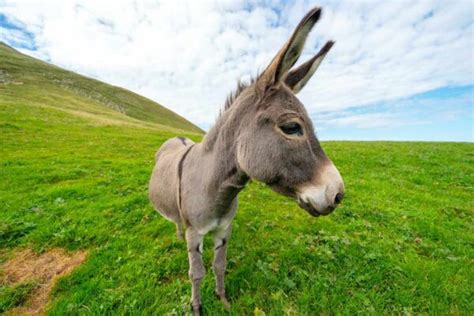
{"type": "Point", "coordinates": [62, 86]}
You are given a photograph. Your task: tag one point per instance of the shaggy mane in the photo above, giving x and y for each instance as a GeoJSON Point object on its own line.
{"type": "Point", "coordinates": [241, 86]}
{"type": "Point", "coordinates": [233, 95]}
{"type": "Point", "coordinates": [211, 136]}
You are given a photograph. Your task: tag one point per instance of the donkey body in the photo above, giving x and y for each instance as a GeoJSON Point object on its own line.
{"type": "Point", "coordinates": [265, 134]}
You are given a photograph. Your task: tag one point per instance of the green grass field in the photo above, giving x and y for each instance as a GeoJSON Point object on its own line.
{"type": "Point", "coordinates": [401, 242]}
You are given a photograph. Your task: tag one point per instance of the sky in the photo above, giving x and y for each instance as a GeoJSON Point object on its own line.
{"type": "Point", "coordinates": [400, 70]}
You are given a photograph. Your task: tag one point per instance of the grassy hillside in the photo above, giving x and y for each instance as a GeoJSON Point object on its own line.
{"type": "Point", "coordinates": [31, 82]}
{"type": "Point", "coordinates": [401, 242]}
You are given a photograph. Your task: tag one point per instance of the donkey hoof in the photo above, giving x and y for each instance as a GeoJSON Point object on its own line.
{"type": "Point", "coordinates": [226, 303]}
{"type": "Point", "coordinates": [223, 300]}
{"type": "Point", "coordinates": [196, 310]}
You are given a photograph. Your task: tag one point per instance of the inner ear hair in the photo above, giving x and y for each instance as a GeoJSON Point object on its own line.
{"type": "Point", "coordinates": [297, 78]}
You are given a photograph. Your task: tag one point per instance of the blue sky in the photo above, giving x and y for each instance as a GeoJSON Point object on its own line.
{"type": "Point", "coordinates": [400, 70]}
{"type": "Point", "coordinates": [25, 40]}
{"type": "Point", "coordinates": [444, 114]}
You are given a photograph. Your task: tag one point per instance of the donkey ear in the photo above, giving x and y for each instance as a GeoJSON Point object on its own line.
{"type": "Point", "coordinates": [297, 78]}
{"type": "Point", "coordinates": [289, 53]}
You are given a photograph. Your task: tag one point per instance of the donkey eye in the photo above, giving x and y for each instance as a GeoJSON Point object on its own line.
{"type": "Point", "coordinates": [291, 128]}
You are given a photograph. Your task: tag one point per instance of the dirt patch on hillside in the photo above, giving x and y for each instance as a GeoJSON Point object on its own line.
{"type": "Point", "coordinates": [44, 269]}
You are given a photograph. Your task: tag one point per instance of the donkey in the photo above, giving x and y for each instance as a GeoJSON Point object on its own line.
{"type": "Point", "coordinates": [264, 133]}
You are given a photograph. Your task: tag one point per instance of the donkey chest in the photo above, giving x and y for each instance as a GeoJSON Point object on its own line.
{"type": "Point", "coordinates": [215, 224]}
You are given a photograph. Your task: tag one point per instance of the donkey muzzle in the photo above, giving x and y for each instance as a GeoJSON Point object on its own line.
{"type": "Point", "coordinates": [324, 195]}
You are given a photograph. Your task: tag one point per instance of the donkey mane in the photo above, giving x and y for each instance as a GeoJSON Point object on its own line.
{"type": "Point", "coordinates": [241, 86]}
{"type": "Point", "coordinates": [212, 135]}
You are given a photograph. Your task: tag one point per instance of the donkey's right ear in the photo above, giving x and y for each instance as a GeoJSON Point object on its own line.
{"type": "Point", "coordinates": [289, 53]}
{"type": "Point", "coordinates": [297, 78]}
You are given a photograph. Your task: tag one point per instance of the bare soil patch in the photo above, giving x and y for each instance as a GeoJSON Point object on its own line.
{"type": "Point", "coordinates": [44, 269]}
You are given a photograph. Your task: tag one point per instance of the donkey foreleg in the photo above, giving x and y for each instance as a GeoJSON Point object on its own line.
{"type": "Point", "coordinates": [179, 231]}
{"type": "Point", "coordinates": [221, 239]}
{"type": "Point", "coordinates": [197, 271]}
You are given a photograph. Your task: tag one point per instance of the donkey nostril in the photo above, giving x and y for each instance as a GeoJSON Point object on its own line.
{"type": "Point", "coordinates": [338, 198]}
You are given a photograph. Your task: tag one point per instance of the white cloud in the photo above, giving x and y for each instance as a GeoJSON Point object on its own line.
{"type": "Point", "coordinates": [371, 120]}
{"type": "Point", "coordinates": [368, 120]}
{"type": "Point", "coordinates": [188, 55]}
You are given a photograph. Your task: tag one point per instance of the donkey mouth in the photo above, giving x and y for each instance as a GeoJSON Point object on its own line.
{"type": "Point", "coordinates": [310, 209]}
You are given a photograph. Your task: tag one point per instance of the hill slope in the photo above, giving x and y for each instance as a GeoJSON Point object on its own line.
{"type": "Point", "coordinates": [28, 81]}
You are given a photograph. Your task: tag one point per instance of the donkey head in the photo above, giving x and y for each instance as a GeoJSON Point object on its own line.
{"type": "Point", "coordinates": [278, 145]}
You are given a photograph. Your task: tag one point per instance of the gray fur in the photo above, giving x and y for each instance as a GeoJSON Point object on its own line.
{"type": "Point", "coordinates": [196, 185]}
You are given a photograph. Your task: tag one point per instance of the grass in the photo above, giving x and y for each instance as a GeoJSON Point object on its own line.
{"type": "Point", "coordinates": [13, 296]}
{"type": "Point", "coordinates": [401, 242]}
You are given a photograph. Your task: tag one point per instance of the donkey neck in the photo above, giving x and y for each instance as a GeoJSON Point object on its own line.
{"type": "Point", "coordinates": [219, 145]}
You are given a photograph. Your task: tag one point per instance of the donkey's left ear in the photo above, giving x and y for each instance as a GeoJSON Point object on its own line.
{"type": "Point", "coordinates": [297, 78]}
{"type": "Point", "coordinates": [289, 53]}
